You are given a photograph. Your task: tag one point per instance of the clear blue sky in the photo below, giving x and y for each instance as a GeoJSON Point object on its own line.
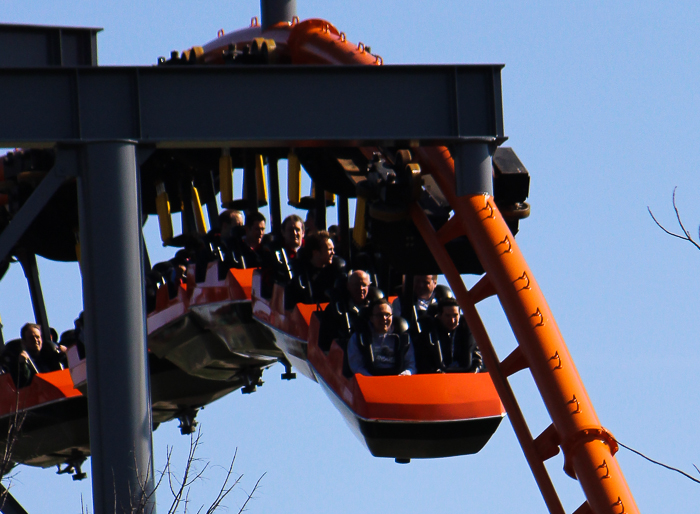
{"type": "Point", "coordinates": [601, 105]}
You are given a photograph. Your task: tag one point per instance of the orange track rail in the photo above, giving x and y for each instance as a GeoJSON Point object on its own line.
{"type": "Point", "coordinates": [588, 447]}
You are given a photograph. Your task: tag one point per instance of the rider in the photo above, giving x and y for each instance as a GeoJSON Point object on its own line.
{"type": "Point", "coordinates": [377, 350]}
{"type": "Point", "coordinates": [447, 344]}
{"type": "Point", "coordinates": [25, 357]}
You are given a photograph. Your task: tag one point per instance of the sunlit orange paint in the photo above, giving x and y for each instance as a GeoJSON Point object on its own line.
{"type": "Point", "coordinates": [585, 442]}
{"type": "Point", "coordinates": [44, 388]}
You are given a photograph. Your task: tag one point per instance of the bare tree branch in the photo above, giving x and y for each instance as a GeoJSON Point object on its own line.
{"type": "Point", "coordinates": [14, 429]}
{"type": "Point", "coordinates": [225, 488]}
{"type": "Point", "coordinates": [250, 496]}
{"type": "Point", "coordinates": [686, 235]}
{"type": "Point", "coordinates": [691, 477]}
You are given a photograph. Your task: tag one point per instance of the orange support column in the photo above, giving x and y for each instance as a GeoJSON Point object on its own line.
{"type": "Point", "coordinates": [588, 447]}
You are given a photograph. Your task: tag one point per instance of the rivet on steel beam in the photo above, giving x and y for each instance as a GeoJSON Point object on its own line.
{"type": "Point", "coordinates": [507, 242]}
{"type": "Point", "coordinates": [604, 466]}
{"type": "Point", "coordinates": [557, 358]}
{"type": "Point", "coordinates": [489, 208]}
{"type": "Point", "coordinates": [525, 278]}
{"type": "Point", "coordinates": [578, 407]}
{"type": "Point", "coordinates": [622, 505]}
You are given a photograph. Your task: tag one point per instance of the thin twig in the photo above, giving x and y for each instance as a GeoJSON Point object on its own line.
{"type": "Point", "coordinates": [184, 487]}
{"type": "Point", "coordinates": [661, 463]}
{"type": "Point", "coordinates": [686, 234]}
{"type": "Point", "coordinates": [13, 433]}
{"type": "Point", "coordinates": [250, 496]}
{"type": "Point", "coordinates": [225, 488]}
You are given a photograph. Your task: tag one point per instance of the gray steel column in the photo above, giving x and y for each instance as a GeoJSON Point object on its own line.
{"type": "Point", "coordinates": [115, 329]}
{"type": "Point", "coordinates": [250, 182]}
{"type": "Point", "coordinates": [473, 168]}
{"type": "Point", "coordinates": [275, 11]}
{"type": "Point", "coordinates": [344, 226]}
{"type": "Point", "coordinates": [320, 207]}
{"type": "Point", "coordinates": [274, 192]}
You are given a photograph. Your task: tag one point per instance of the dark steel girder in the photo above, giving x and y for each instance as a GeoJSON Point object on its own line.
{"type": "Point", "coordinates": [41, 45]}
{"type": "Point", "coordinates": [66, 167]}
{"type": "Point", "coordinates": [260, 106]}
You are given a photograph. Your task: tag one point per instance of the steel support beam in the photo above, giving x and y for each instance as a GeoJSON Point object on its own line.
{"type": "Point", "coordinates": [9, 504]}
{"type": "Point", "coordinates": [320, 208]}
{"type": "Point", "coordinates": [115, 328]}
{"type": "Point", "coordinates": [253, 106]}
{"type": "Point", "coordinates": [39, 45]}
{"type": "Point", "coordinates": [344, 228]}
{"type": "Point", "coordinates": [273, 180]}
{"type": "Point", "coordinates": [64, 168]}
{"type": "Point", "coordinates": [276, 11]}
{"type": "Point", "coordinates": [474, 168]}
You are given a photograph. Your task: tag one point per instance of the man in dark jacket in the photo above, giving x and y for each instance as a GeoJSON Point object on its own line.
{"type": "Point", "coordinates": [26, 357]}
{"type": "Point", "coordinates": [447, 344]}
{"type": "Point", "coordinates": [250, 245]}
{"type": "Point", "coordinates": [341, 315]}
{"type": "Point", "coordinates": [315, 272]}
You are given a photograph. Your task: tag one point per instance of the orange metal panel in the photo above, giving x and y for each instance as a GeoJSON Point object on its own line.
{"type": "Point", "coordinates": [240, 283]}
{"type": "Point", "coordinates": [45, 387]}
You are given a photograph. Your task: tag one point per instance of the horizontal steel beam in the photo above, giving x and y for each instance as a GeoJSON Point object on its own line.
{"type": "Point", "coordinates": [39, 45]}
{"type": "Point", "coordinates": [264, 106]}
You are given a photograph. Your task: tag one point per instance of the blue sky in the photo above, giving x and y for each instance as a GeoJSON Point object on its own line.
{"type": "Point", "coordinates": [601, 105]}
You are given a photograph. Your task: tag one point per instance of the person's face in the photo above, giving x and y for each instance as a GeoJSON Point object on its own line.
{"type": "Point", "coordinates": [324, 256]}
{"type": "Point", "coordinates": [255, 233]}
{"type": "Point", "coordinates": [381, 318]}
{"type": "Point", "coordinates": [293, 234]}
{"type": "Point", "coordinates": [32, 340]}
{"type": "Point", "coordinates": [423, 286]}
{"type": "Point", "coordinates": [228, 226]}
{"type": "Point", "coordinates": [358, 286]}
{"type": "Point", "coordinates": [449, 317]}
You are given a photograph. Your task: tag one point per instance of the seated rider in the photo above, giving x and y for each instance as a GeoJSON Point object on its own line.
{"type": "Point", "coordinates": [23, 358]}
{"type": "Point", "coordinates": [251, 243]}
{"type": "Point", "coordinates": [223, 243]}
{"type": "Point", "coordinates": [423, 297]}
{"type": "Point", "coordinates": [229, 223]}
{"type": "Point", "coordinates": [446, 344]}
{"type": "Point", "coordinates": [315, 272]}
{"type": "Point", "coordinates": [343, 311]}
{"type": "Point", "coordinates": [292, 235]}
{"type": "Point", "coordinates": [375, 350]}
{"type": "Point", "coordinates": [277, 257]}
